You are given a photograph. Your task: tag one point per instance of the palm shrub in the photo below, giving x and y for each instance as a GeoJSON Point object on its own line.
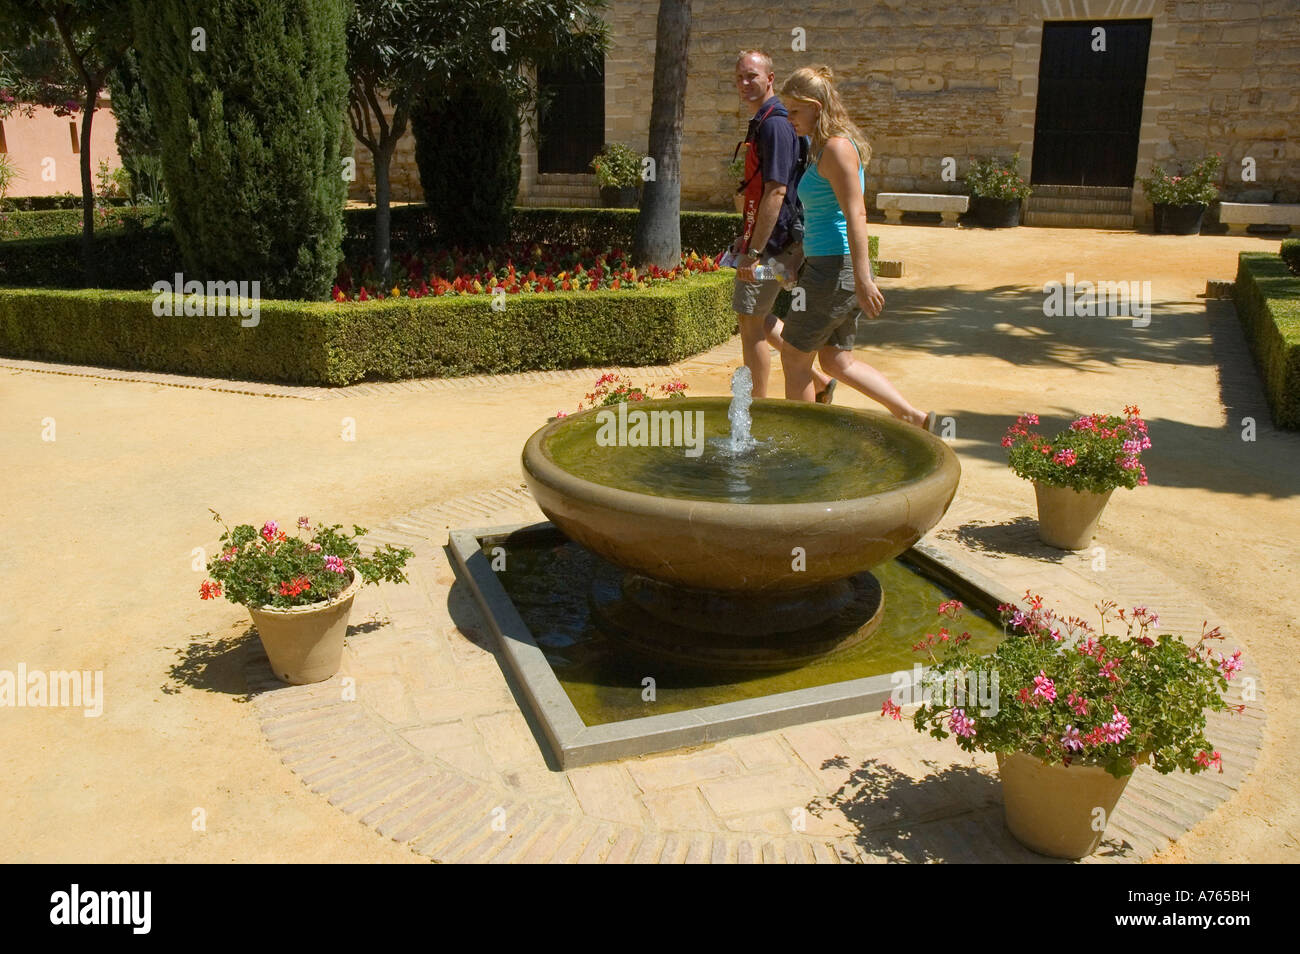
{"type": "Point", "coordinates": [249, 117]}
{"type": "Point", "coordinates": [467, 152]}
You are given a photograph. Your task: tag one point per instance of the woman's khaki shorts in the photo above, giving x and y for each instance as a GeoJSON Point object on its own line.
{"type": "Point", "coordinates": [830, 312]}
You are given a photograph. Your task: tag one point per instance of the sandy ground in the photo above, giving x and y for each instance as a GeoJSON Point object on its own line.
{"type": "Point", "coordinates": [97, 530]}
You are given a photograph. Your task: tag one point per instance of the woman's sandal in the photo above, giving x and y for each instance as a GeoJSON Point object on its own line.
{"type": "Point", "coordinates": [825, 396]}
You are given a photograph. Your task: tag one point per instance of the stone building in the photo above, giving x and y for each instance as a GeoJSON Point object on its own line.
{"type": "Point", "coordinates": [1091, 93]}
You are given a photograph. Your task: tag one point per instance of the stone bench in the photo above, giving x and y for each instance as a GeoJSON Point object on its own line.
{"type": "Point", "coordinates": [894, 204]}
{"type": "Point", "coordinates": [1238, 215]}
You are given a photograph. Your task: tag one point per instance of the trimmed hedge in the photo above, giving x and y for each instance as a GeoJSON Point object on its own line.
{"type": "Point", "coordinates": [68, 200]}
{"type": "Point", "coordinates": [133, 260]}
{"type": "Point", "coordinates": [1267, 295]}
{"type": "Point", "coordinates": [1290, 253]}
{"type": "Point", "coordinates": [51, 222]}
{"type": "Point", "coordinates": [324, 343]}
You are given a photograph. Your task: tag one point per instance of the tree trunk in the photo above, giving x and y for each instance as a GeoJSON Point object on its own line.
{"type": "Point", "coordinates": [381, 248]}
{"type": "Point", "coordinates": [88, 192]}
{"type": "Point", "coordinates": [658, 239]}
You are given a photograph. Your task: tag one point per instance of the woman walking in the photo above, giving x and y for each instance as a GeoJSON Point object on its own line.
{"type": "Point", "coordinates": [837, 268]}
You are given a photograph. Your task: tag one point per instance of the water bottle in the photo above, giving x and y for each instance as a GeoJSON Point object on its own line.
{"type": "Point", "coordinates": [773, 270]}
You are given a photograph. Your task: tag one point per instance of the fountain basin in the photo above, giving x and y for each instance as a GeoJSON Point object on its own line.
{"type": "Point", "coordinates": [830, 492]}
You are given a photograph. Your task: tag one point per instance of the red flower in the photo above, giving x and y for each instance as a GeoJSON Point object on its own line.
{"type": "Point", "coordinates": [209, 590]}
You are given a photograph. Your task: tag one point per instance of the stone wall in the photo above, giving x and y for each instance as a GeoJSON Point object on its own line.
{"type": "Point", "coordinates": [927, 79]}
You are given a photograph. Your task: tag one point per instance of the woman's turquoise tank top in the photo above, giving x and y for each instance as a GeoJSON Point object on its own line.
{"type": "Point", "coordinates": [825, 229]}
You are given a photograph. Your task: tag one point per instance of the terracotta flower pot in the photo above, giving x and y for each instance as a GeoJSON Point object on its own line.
{"type": "Point", "coordinates": [1177, 219]}
{"type": "Point", "coordinates": [995, 213]}
{"type": "Point", "coordinates": [1053, 809]}
{"type": "Point", "coordinates": [305, 643]}
{"type": "Point", "coordinates": [1067, 519]}
{"type": "Point", "coordinates": [619, 197]}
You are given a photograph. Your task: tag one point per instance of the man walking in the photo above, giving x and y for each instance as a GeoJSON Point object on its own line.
{"type": "Point", "coordinates": [773, 163]}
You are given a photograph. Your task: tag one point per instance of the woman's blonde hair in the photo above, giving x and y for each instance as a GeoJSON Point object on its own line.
{"type": "Point", "coordinates": [815, 84]}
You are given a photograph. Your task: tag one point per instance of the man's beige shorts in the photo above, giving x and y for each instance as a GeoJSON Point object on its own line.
{"type": "Point", "coordinates": [756, 298]}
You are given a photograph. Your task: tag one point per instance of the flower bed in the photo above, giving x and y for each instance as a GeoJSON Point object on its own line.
{"type": "Point", "coordinates": [513, 269]}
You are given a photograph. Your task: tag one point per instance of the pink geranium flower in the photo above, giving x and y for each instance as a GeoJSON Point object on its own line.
{"type": "Point", "coordinates": [1044, 687]}
{"type": "Point", "coordinates": [270, 529]}
{"type": "Point", "coordinates": [1071, 739]}
{"type": "Point", "coordinates": [961, 724]}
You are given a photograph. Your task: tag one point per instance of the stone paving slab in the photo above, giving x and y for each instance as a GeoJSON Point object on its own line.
{"type": "Point", "coordinates": [435, 751]}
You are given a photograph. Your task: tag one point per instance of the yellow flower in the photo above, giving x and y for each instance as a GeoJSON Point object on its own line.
{"type": "Point", "coordinates": [397, 292]}
{"type": "Point", "coordinates": [562, 276]}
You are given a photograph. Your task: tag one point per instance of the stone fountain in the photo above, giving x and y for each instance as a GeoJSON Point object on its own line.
{"type": "Point", "coordinates": [743, 536]}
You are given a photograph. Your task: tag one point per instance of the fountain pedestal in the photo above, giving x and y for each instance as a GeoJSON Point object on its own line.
{"type": "Point", "coordinates": [736, 630]}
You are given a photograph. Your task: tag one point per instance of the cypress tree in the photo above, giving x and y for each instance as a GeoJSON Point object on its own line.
{"type": "Point", "coordinates": [467, 151]}
{"type": "Point", "coordinates": [248, 100]}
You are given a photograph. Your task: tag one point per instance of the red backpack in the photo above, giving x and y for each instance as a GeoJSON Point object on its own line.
{"type": "Point", "coordinates": [752, 186]}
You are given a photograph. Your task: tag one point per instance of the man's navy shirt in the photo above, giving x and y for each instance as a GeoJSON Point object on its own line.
{"type": "Point", "coordinates": [779, 155]}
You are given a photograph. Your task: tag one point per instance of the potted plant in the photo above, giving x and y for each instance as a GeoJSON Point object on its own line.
{"type": "Point", "coordinates": [996, 189]}
{"type": "Point", "coordinates": [1072, 712]}
{"type": "Point", "coordinates": [298, 590]}
{"type": "Point", "coordinates": [1075, 472]}
{"type": "Point", "coordinates": [614, 389]}
{"type": "Point", "coordinates": [618, 172]}
{"type": "Point", "coordinates": [736, 176]}
{"type": "Point", "coordinates": [1179, 202]}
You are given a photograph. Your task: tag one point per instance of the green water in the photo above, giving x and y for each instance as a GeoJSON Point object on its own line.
{"type": "Point", "coordinates": [804, 452]}
{"type": "Point", "coordinates": [547, 579]}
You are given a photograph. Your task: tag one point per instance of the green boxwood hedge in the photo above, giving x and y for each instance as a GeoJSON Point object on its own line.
{"type": "Point", "coordinates": [1290, 252]}
{"type": "Point", "coordinates": [324, 343]}
{"type": "Point", "coordinates": [66, 222]}
{"type": "Point", "coordinates": [1268, 304]}
{"type": "Point", "coordinates": [131, 259]}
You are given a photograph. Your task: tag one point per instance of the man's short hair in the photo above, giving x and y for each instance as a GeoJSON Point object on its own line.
{"type": "Point", "coordinates": [764, 61]}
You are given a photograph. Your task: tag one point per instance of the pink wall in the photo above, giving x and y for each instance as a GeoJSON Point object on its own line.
{"type": "Point", "coordinates": [30, 141]}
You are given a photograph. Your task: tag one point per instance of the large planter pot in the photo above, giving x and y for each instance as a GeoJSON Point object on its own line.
{"type": "Point", "coordinates": [305, 643]}
{"type": "Point", "coordinates": [1178, 219]}
{"type": "Point", "coordinates": [995, 213]}
{"type": "Point", "coordinates": [619, 197]}
{"type": "Point", "coordinates": [1067, 519]}
{"type": "Point", "coordinates": [1053, 809]}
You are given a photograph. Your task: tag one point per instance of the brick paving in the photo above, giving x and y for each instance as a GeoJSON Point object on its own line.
{"type": "Point", "coordinates": [435, 752]}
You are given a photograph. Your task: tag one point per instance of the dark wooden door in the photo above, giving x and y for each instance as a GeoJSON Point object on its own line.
{"type": "Point", "coordinates": [1090, 103]}
{"type": "Point", "coordinates": [571, 123]}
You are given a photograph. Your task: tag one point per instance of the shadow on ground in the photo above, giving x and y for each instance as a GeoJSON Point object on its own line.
{"type": "Point", "coordinates": [1018, 537]}
{"type": "Point", "coordinates": [1008, 323]}
{"type": "Point", "coordinates": [213, 666]}
{"type": "Point", "coordinates": [1245, 455]}
{"type": "Point", "coordinates": [943, 817]}
{"type": "Point", "coordinates": [220, 666]}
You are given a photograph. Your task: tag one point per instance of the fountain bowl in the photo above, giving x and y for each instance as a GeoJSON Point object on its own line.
{"type": "Point", "coordinates": [738, 545]}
